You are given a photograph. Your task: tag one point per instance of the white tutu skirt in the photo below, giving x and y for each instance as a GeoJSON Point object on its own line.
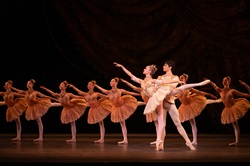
{"type": "Point", "coordinates": [156, 99]}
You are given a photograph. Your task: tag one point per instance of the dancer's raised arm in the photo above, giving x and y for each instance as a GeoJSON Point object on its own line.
{"type": "Point", "coordinates": [45, 96]}
{"type": "Point", "coordinates": [135, 88]}
{"type": "Point", "coordinates": [124, 69]}
{"type": "Point", "coordinates": [202, 93]}
{"type": "Point", "coordinates": [77, 90]}
{"type": "Point", "coordinates": [18, 90]}
{"type": "Point", "coordinates": [245, 85]}
{"type": "Point", "coordinates": [123, 91]}
{"type": "Point", "coordinates": [215, 86]}
{"type": "Point", "coordinates": [50, 91]}
{"type": "Point", "coordinates": [133, 77]}
{"type": "Point", "coordinates": [102, 89]}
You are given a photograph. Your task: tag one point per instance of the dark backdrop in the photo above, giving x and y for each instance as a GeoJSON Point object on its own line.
{"type": "Point", "coordinates": [77, 40]}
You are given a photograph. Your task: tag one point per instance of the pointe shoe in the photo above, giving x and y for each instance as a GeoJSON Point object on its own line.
{"type": "Point", "coordinates": [233, 144]}
{"type": "Point", "coordinates": [194, 142]}
{"type": "Point", "coordinates": [99, 141]}
{"type": "Point", "coordinates": [123, 142]}
{"type": "Point", "coordinates": [71, 140]}
{"type": "Point", "coordinates": [16, 139]}
{"type": "Point", "coordinates": [204, 83]}
{"type": "Point", "coordinates": [159, 145]}
{"type": "Point", "coordinates": [38, 140]}
{"type": "Point", "coordinates": [153, 143]}
{"type": "Point", "coordinates": [190, 145]}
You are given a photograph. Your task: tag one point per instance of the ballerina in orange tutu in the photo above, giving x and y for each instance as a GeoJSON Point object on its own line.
{"type": "Point", "coordinates": [193, 102]}
{"type": "Point", "coordinates": [16, 104]}
{"type": "Point", "coordinates": [234, 108]}
{"type": "Point", "coordinates": [100, 107]}
{"type": "Point", "coordinates": [152, 117]}
{"type": "Point", "coordinates": [123, 105]}
{"type": "Point", "coordinates": [38, 105]}
{"type": "Point", "coordinates": [73, 107]}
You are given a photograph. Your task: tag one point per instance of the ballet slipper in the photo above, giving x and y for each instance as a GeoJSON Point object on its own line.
{"type": "Point", "coordinates": [190, 145]}
{"type": "Point", "coordinates": [153, 143]}
{"type": "Point", "coordinates": [71, 140]}
{"type": "Point", "coordinates": [38, 140]}
{"type": "Point", "coordinates": [16, 139]}
{"type": "Point", "coordinates": [100, 141]}
{"type": "Point", "coordinates": [233, 144]}
{"type": "Point", "coordinates": [194, 142]}
{"type": "Point", "coordinates": [159, 145]}
{"type": "Point", "coordinates": [123, 142]}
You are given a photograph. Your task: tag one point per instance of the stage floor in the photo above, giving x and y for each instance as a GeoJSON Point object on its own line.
{"type": "Point", "coordinates": [211, 149]}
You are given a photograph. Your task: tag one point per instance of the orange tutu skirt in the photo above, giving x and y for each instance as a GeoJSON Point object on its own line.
{"type": "Point", "coordinates": [193, 109]}
{"type": "Point", "coordinates": [237, 111]}
{"type": "Point", "coordinates": [38, 109]}
{"type": "Point", "coordinates": [100, 112]}
{"type": "Point", "coordinates": [125, 109]}
{"type": "Point", "coordinates": [74, 112]}
{"type": "Point", "coordinates": [15, 111]}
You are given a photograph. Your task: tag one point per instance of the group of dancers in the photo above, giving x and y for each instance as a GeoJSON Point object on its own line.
{"type": "Point", "coordinates": [158, 97]}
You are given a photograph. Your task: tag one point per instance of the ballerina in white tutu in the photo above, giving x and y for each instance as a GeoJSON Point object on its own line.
{"type": "Point", "coordinates": [162, 89]}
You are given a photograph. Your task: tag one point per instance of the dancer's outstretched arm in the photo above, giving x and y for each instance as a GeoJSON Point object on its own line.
{"type": "Point", "coordinates": [135, 88]}
{"type": "Point", "coordinates": [245, 85]}
{"type": "Point", "coordinates": [215, 86]}
{"type": "Point", "coordinates": [123, 91]}
{"type": "Point", "coordinates": [45, 96]}
{"type": "Point", "coordinates": [77, 90]}
{"type": "Point", "coordinates": [105, 91]}
{"type": "Point", "coordinates": [238, 93]}
{"type": "Point", "coordinates": [50, 91]}
{"type": "Point", "coordinates": [102, 95]}
{"type": "Point", "coordinates": [124, 69]}
{"type": "Point", "coordinates": [202, 93]}
{"type": "Point", "coordinates": [18, 90]}
{"type": "Point", "coordinates": [133, 77]}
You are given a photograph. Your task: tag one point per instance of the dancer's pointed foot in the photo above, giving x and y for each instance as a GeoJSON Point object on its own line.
{"type": "Point", "coordinates": [38, 140]}
{"type": "Point", "coordinates": [71, 140]}
{"type": "Point", "coordinates": [190, 145]}
{"type": "Point", "coordinates": [16, 139]}
{"type": "Point", "coordinates": [100, 141]}
{"type": "Point", "coordinates": [123, 142]}
{"type": "Point", "coordinates": [218, 100]}
{"type": "Point", "coordinates": [194, 142]}
{"type": "Point", "coordinates": [159, 145]}
{"type": "Point", "coordinates": [140, 103]}
{"type": "Point", "coordinates": [233, 144]}
{"type": "Point", "coordinates": [204, 83]}
{"type": "Point", "coordinates": [153, 143]}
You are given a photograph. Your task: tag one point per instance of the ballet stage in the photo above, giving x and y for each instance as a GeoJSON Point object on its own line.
{"type": "Point", "coordinates": [212, 149]}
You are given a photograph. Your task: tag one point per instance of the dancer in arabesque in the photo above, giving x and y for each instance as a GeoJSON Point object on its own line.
{"type": "Point", "coordinates": [38, 105]}
{"type": "Point", "coordinates": [100, 107]}
{"type": "Point", "coordinates": [234, 108]}
{"type": "Point", "coordinates": [124, 105]}
{"type": "Point", "coordinates": [193, 102]}
{"type": "Point", "coordinates": [16, 105]}
{"type": "Point", "coordinates": [74, 107]}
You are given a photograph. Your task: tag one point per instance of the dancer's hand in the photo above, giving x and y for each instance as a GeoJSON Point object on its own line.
{"type": "Point", "coordinates": [242, 82]}
{"type": "Point", "coordinates": [117, 64]}
{"type": "Point", "coordinates": [123, 80]}
{"type": "Point", "coordinates": [212, 96]}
